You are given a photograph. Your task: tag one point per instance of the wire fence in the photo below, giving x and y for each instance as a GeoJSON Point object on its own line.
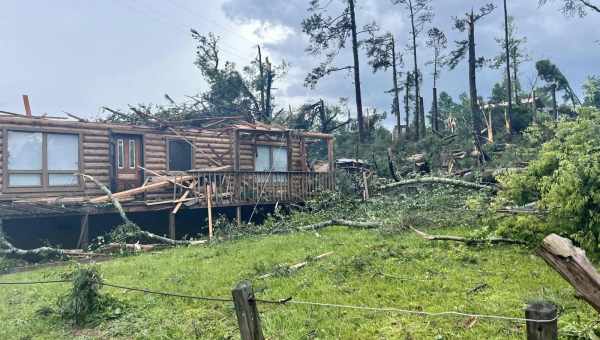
{"type": "Point", "coordinates": [291, 301]}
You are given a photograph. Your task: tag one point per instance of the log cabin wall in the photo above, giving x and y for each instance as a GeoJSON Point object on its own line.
{"type": "Point", "coordinates": [212, 148]}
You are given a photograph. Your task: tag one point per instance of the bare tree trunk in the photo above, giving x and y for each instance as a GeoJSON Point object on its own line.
{"type": "Point", "coordinates": [435, 114]}
{"type": "Point", "coordinates": [422, 108]}
{"type": "Point", "coordinates": [406, 105]}
{"type": "Point", "coordinates": [268, 109]}
{"type": "Point", "coordinates": [515, 81]}
{"type": "Point", "coordinates": [359, 109]}
{"type": "Point", "coordinates": [261, 84]}
{"type": "Point", "coordinates": [396, 89]}
{"type": "Point", "coordinates": [508, 80]}
{"type": "Point", "coordinates": [475, 110]}
{"type": "Point", "coordinates": [554, 103]}
{"type": "Point", "coordinates": [416, 71]}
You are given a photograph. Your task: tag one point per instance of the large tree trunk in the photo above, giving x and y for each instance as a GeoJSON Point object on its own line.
{"type": "Point", "coordinates": [515, 81]}
{"type": "Point", "coordinates": [359, 110]}
{"type": "Point", "coordinates": [396, 90]}
{"type": "Point", "coordinates": [475, 110]}
{"type": "Point", "coordinates": [416, 73]}
{"type": "Point", "coordinates": [508, 80]}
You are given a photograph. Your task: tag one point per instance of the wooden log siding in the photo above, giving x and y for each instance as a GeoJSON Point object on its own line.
{"type": "Point", "coordinates": [208, 144]}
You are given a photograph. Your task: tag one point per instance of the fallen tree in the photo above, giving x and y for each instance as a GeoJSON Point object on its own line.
{"type": "Point", "coordinates": [345, 223]}
{"type": "Point", "coordinates": [138, 231]}
{"type": "Point", "coordinates": [573, 265]}
{"type": "Point", "coordinates": [438, 180]}
{"type": "Point", "coordinates": [469, 241]}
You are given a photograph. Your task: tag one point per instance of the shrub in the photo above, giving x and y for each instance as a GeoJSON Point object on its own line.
{"type": "Point", "coordinates": [84, 304]}
{"type": "Point", "coordinates": [564, 181]}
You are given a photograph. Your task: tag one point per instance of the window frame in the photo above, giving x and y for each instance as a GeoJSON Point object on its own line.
{"type": "Point", "coordinates": [168, 140]}
{"type": "Point", "coordinates": [45, 173]}
{"type": "Point", "coordinates": [120, 153]}
{"type": "Point", "coordinates": [271, 158]}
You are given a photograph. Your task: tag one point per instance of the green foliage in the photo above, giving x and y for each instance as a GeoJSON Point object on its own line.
{"type": "Point", "coordinates": [84, 304]}
{"type": "Point", "coordinates": [564, 181]}
{"type": "Point", "coordinates": [591, 88]}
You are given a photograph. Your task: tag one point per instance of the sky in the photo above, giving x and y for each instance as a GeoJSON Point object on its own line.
{"type": "Point", "coordinates": [77, 56]}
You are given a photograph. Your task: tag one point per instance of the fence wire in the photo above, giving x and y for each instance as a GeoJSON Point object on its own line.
{"type": "Point", "coordinates": [291, 301]}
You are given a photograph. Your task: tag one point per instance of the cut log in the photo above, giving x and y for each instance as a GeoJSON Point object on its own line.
{"type": "Point", "coordinates": [469, 241]}
{"type": "Point", "coordinates": [573, 265]}
{"type": "Point", "coordinates": [439, 180]}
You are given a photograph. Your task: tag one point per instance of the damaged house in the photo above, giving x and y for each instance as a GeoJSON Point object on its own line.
{"type": "Point", "coordinates": [153, 167]}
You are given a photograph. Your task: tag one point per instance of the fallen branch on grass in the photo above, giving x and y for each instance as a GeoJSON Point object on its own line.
{"type": "Point", "coordinates": [297, 266]}
{"type": "Point", "coordinates": [345, 223]}
{"type": "Point", "coordinates": [469, 241]}
{"type": "Point", "coordinates": [438, 180]}
{"type": "Point", "coordinates": [572, 264]}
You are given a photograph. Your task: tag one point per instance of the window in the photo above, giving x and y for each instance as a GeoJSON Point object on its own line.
{"type": "Point", "coordinates": [180, 155]}
{"type": "Point", "coordinates": [132, 154]}
{"type": "Point", "coordinates": [271, 158]}
{"type": "Point", "coordinates": [27, 166]}
{"type": "Point", "coordinates": [120, 154]}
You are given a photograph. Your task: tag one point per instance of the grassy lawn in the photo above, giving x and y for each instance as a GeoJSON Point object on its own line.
{"type": "Point", "coordinates": [371, 268]}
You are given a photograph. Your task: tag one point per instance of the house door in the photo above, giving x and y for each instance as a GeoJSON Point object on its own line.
{"type": "Point", "coordinates": [128, 156]}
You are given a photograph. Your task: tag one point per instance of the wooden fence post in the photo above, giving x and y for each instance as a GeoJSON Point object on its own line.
{"type": "Point", "coordinates": [247, 312]}
{"type": "Point", "coordinates": [541, 330]}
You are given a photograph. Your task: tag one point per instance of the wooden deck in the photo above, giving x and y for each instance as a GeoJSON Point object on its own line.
{"type": "Point", "coordinates": [223, 188]}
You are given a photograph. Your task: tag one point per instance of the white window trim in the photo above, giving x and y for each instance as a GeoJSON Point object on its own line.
{"type": "Point", "coordinates": [120, 153]}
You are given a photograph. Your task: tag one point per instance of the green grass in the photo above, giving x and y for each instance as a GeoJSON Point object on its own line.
{"type": "Point", "coordinates": [418, 275]}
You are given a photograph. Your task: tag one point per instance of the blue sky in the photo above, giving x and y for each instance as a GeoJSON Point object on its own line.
{"type": "Point", "coordinates": [78, 56]}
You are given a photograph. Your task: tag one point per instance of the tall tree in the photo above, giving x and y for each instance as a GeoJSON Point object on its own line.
{"type": "Point", "coordinates": [591, 89]}
{"type": "Point", "coordinates": [576, 7]}
{"type": "Point", "coordinates": [464, 48]}
{"type": "Point", "coordinates": [552, 75]}
{"type": "Point", "coordinates": [516, 54]}
{"type": "Point", "coordinates": [438, 42]}
{"type": "Point", "coordinates": [508, 76]}
{"type": "Point", "coordinates": [232, 92]}
{"type": "Point", "coordinates": [381, 51]}
{"type": "Point", "coordinates": [420, 13]}
{"type": "Point", "coordinates": [328, 35]}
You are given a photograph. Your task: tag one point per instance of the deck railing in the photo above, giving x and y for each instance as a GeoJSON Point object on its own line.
{"type": "Point", "coordinates": [250, 187]}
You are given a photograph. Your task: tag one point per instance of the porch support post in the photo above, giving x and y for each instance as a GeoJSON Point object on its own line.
{"type": "Point", "coordinates": [172, 227]}
{"type": "Point", "coordinates": [84, 234]}
{"type": "Point", "coordinates": [238, 215]}
{"type": "Point", "coordinates": [331, 159]}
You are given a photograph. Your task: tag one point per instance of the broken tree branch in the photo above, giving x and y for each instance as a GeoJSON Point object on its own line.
{"type": "Point", "coordinates": [439, 180]}
{"type": "Point", "coordinates": [573, 265]}
{"type": "Point", "coordinates": [468, 241]}
{"type": "Point", "coordinates": [126, 220]}
{"type": "Point", "coordinates": [297, 266]}
{"type": "Point", "coordinates": [345, 223]}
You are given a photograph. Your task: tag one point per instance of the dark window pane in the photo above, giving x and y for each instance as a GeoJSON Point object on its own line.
{"type": "Point", "coordinates": [180, 155]}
